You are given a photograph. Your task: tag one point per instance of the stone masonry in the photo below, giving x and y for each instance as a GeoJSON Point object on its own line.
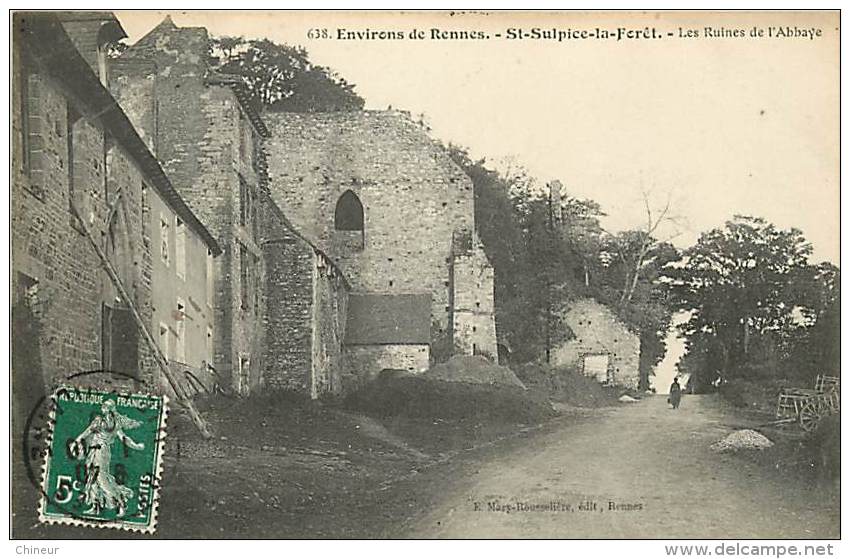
{"type": "Point", "coordinates": [208, 141]}
{"type": "Point", "coordinates": [74, 148]}
{"type": "Point", "coordinates": [415, 202]}
{"type": "Point", "coordinates": [598, 332]}
{"type": "Point", "coordinates": [306, 306]}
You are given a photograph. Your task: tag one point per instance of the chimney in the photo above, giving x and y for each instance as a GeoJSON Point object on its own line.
{"type": "Point", "coordinates": [92, 33]}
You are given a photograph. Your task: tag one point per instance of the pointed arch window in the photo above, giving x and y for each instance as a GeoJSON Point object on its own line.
{"type": "Point", "coordinates": [349, 213]}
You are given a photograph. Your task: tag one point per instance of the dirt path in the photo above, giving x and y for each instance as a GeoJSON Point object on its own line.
{"type": "Point", "coordinates": [653, 463]}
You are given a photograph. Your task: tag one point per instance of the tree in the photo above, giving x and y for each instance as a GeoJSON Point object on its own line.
{"type": "Point", "coordinates": [744, 284]}
{"type": "Point", "coordinates": [638, 264]}
{"type": "Point", "coordinates": [282, 78]}
{"type": "Point", "coordinates": [584, 235]}
{"type": "Point", "coordinates": [639, 243]}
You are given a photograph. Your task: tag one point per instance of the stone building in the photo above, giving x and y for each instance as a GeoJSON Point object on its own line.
{"type": "Point", "coordinates": [387, 204]}
{"type": "Point", "coordinates": [83, 178]}
{"type": "Point", "coordinates": [601, 346]}
{"type": "Point", "coordinates": [305, 310]}
{"type": "Point", "coordinates": [208, 139]}
{"type": "Point", "coordinates": [354, 215]}
{"type": "Point", "coordinates": [387, 331]}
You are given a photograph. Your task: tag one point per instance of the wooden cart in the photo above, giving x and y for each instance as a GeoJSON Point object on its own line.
{"type": "Point", "coordinates": [809, 406]}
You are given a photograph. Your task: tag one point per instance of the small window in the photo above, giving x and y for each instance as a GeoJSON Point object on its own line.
{"type": "Point", "coordinates": [245, 277]}
{"type": "Point", "coordinates": [246, 202]}
{"type": "Point", "coordinates": [27, 294]}
{"type": "Point", "coordinates": [180, 247]}
{"type": "Point", "coordinates": [164, 233]}
{"type": "Point", "coordinates": [163, 340]}
{"type": "Point", "coordinates": [146, 206]}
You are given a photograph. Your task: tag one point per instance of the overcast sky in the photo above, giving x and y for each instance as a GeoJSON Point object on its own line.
{"type": "Point", "coordinates": [734, 125]}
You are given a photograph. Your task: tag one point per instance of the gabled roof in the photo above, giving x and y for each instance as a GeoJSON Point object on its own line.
{"type": "Point", "coordinates": [47, 40]}
{"type": "Point", "coordinates": [383, 319]}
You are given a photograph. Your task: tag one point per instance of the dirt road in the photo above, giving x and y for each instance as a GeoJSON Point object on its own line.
{"type": "Point", "coordinates": [638, 471]}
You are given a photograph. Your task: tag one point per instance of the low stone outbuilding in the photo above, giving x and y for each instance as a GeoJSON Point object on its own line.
{"type": "Point", "coordinates": [387, 331]}
{"type": "Point", "coordinates": [600, 345]}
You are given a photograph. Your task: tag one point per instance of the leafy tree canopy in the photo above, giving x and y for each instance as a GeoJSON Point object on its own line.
{"type": "Point", "coordinates": [282, 78]}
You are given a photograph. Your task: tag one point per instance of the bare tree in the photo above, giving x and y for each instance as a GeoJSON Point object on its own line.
{"type": "Point", "coordinates": [646, 241]}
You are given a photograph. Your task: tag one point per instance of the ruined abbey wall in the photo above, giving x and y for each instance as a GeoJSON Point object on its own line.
{"type": "Point", "coordinates": [414, 197]}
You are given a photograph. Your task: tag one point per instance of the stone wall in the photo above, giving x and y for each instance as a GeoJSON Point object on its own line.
{"type": "Point", "coordinates": [330, 302]}
{"type": "Point", "coordinates": [133, 84]}
{"type": "Point", "coordinates": [305, 310]}
{"type": "Point", "coordinates": [414, 197]}
{"type": "Point", "coordinates": [598, 331]}
{"type": "Point", "coordinates": [209, 154]}
{"type": "Point", "coordinates": [287, 321]}
{"type": "Point", "coordinates": [189, 330]}
{"type": "Point", "coordinates": [473, 321]}
{"type": "Point", "coordinates": [51, 259]}
{"type": "Point", "coordinates": [365, 362]}
{"type": "Point", "coordinates": [76, 154]}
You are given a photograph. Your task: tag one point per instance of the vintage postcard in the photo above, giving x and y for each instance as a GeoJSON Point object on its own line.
{"type": "Point", "coordinates": [426, 275]}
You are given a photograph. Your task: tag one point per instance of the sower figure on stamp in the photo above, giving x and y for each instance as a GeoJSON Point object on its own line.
{"type": "Point", "coordinates": [675, 394]}
{"type": "Point", "coordinates": [102, 490]}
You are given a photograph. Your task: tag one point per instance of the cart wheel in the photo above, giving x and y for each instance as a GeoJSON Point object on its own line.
{"type": "Point", "coordinates": [809, 416]}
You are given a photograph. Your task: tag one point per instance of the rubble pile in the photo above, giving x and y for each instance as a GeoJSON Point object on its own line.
{"type": "Point", "coordinates": [742, 439]}
{"type": "Point", "coordinates": [626, 399]}
{"type": "Point", "coordinates": [474, 370]}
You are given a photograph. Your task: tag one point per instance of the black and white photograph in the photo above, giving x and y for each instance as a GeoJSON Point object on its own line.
{"type": "Point", "coordinates": [425, 275]}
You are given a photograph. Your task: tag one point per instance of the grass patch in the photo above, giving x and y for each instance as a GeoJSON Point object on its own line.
{"type": "Point", "coordinates": [435, 399]}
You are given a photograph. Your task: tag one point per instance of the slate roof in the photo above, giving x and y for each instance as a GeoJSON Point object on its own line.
{"type": "Point", "coordinates": [383, 319]}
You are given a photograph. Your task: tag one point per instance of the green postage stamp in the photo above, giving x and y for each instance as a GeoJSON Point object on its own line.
{"type": "Point", "coordinates": [104, 459]}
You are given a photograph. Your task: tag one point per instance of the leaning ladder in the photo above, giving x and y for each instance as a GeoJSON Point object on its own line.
{"type": "Point", "coordinates": [182, 398]}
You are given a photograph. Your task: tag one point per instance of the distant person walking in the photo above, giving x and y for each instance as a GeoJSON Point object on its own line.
{"type": "Point", "coordinates": [675, 394]}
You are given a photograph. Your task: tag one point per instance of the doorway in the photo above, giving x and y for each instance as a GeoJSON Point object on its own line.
{"type": "Point", "coordinates": [596, 366]}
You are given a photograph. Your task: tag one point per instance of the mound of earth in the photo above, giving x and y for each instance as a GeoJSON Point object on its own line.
{"type": "Point", "coordinates": [420, 396]}
{"type": "Point", "coordinates": [566, 386]}
{"type": "Point", "coordinates": [742, 439]}
{"type": "Point", "coordinates": [474, 370]}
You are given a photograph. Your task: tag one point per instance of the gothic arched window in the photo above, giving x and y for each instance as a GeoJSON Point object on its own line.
{"type": "Point", "coordinates": [349, 213]}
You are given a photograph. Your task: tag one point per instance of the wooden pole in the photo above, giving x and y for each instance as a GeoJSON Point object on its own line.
{"type": "Point", "coordinates": [199, 421]}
